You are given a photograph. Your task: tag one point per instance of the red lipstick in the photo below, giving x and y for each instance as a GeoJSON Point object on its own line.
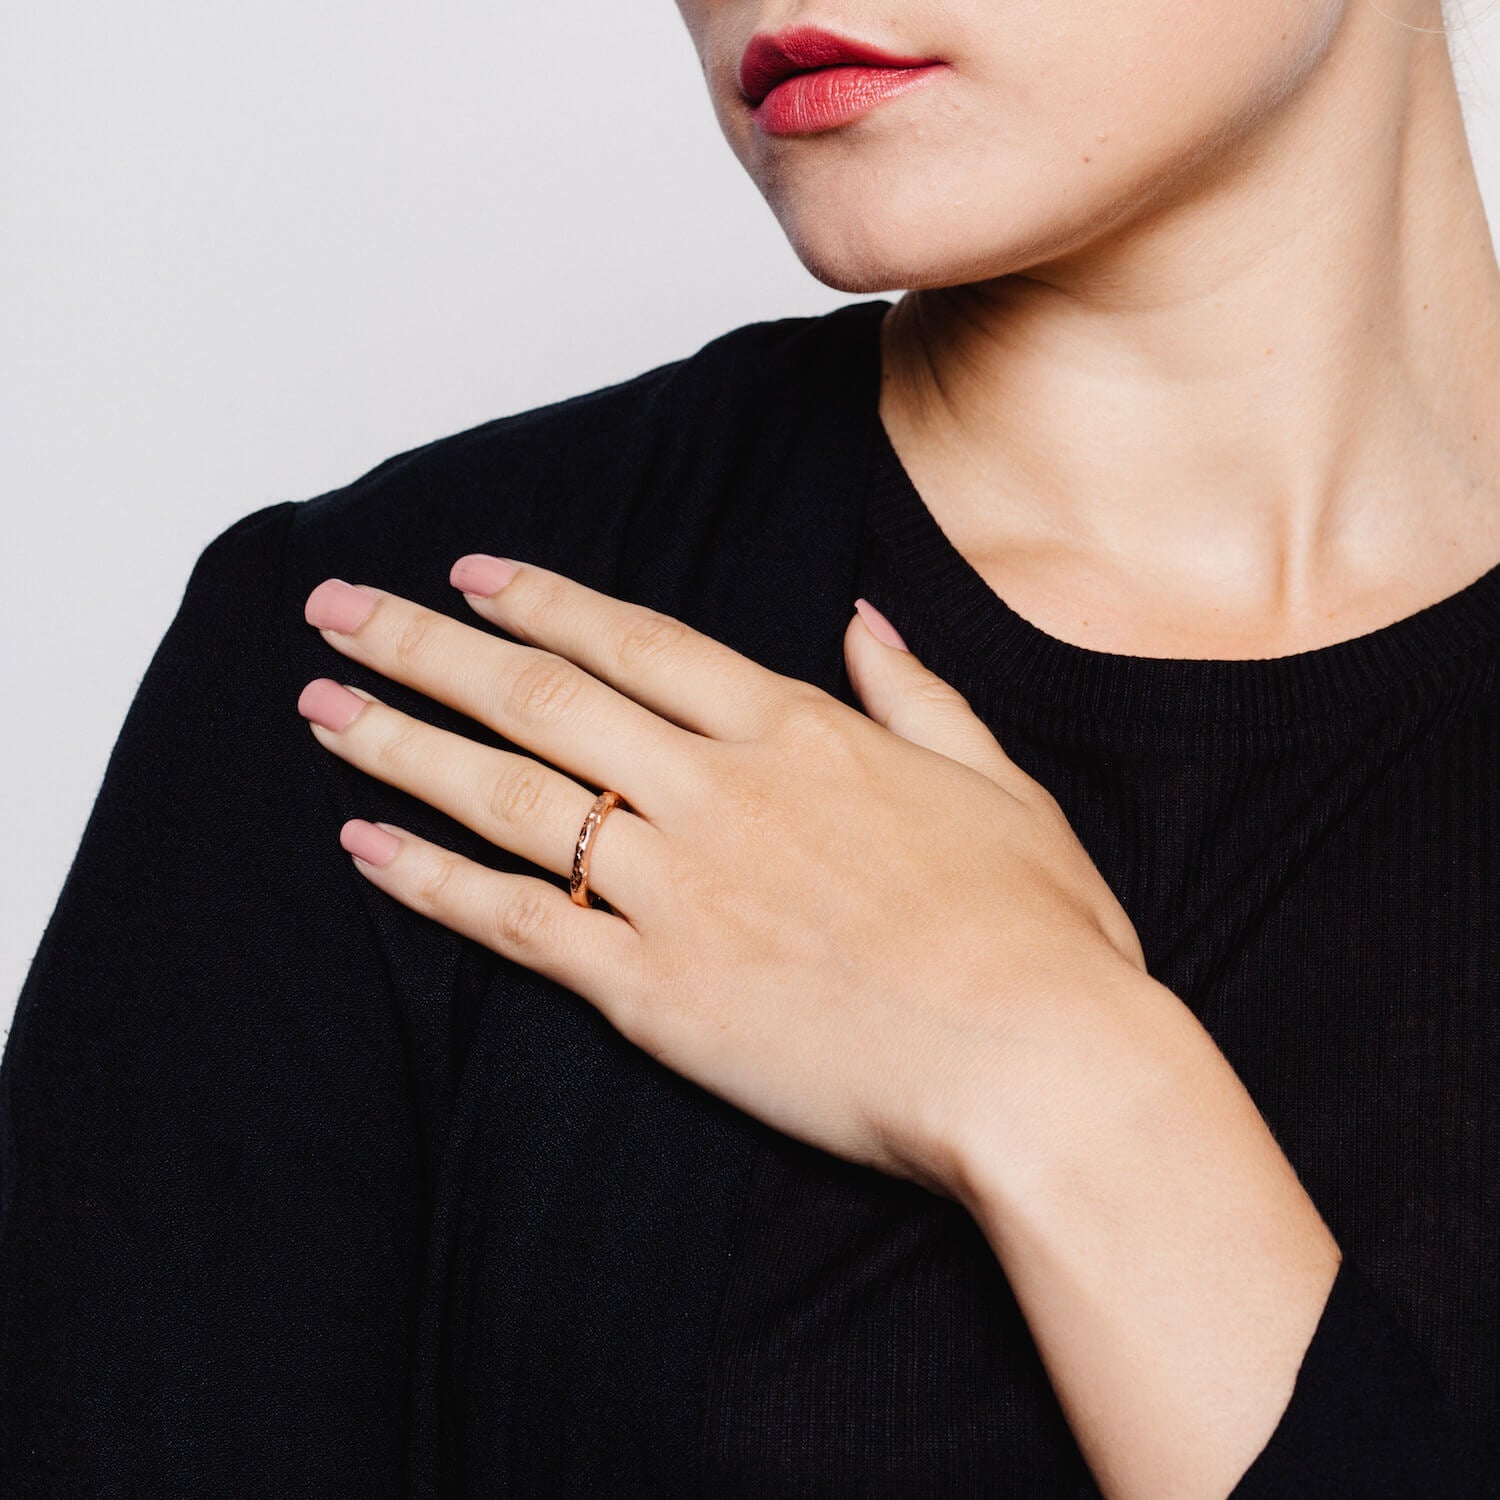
{"type": "Point", "coordinates": [806, 79]}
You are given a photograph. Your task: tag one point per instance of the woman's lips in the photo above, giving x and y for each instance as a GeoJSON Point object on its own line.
{"type": "Point", "coordinates": [828, 97]}
{"type": "Point", "coordinates": [804, 79]}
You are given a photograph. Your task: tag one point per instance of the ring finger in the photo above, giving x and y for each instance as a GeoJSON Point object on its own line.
{"type": "Point", "coordinates": [511, 800]}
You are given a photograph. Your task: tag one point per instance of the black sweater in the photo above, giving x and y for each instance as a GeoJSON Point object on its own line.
{"type": "Point", "coordinates": [302, 1194]}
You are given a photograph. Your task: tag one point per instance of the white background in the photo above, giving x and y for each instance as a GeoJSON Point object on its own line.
{"type": "Point", "coordinates": [249, 252]}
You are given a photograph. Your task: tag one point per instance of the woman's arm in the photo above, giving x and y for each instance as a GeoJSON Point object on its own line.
{"type": "Point", "coordinates": [1173, 1273]}
{"type": "Point", "coordinates": [916, 966]}
{"type": "Point", "coordinates": [210, 1226]}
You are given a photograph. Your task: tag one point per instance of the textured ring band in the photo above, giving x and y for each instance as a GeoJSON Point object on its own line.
{"type": "Point", "coordinates": [578, 885]}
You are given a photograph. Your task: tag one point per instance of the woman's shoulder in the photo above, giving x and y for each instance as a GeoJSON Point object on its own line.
{"type": "Point", "coordinates": [566, 477]}
{"type": "Point", "coordinates": [592, 485]}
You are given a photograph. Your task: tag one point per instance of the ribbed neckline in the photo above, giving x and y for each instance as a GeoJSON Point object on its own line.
{"type": "Point", "coordinates": [1313, 685]}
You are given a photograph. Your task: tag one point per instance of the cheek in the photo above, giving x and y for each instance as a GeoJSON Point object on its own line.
{"type": "Point", "coordinates": [1063, 54]}
{"type": "Point", "coordinates": [1078, 81]}
{"type": "Point", "coordinates": [694, 14]}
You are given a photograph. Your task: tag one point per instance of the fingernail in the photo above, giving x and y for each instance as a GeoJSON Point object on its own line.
{"type": "Point", "coordinates": [336, 605]}
{"type": "Point", "coordinates": [880, 627]}
{"type": "Point", "coordinates": [479, 573]}
{"type": "Point", "coordinates": [326, 702]}
{"type": "Point", "coordinates": [367, 842]}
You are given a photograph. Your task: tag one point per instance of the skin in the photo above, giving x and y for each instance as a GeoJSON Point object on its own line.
{"type": "Point", "coordinates": [1195, 363]}
{"type": "Point", "coordinates": [1205, 335]}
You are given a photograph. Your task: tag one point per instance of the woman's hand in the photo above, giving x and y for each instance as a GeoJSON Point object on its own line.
{"type": "Point", "coordinates": [878, 935]}
{"type": "Point", "coordinates": [862, 930]}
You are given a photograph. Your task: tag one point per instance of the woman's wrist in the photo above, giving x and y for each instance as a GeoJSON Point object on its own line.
{"type": "Point", "coordinates": [1170, 1265]}
{"type": "Point", "coordinates": [1091, 1058]}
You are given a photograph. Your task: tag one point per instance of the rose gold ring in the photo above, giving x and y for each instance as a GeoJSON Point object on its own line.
{"type": "Point", "coordinates": [578, 886]}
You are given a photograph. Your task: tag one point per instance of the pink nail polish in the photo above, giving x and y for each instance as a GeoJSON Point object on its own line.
{"type": "Point", "coordinates": [336, 605]}
{"type": "Point", "coordinates": [479, 573]}
{"type": "Point", "coordinates": [880, 627]}
{"type": "Point", "coordinates": [373, 845]}
{"type": "Point", "coordinates": [328, 703]}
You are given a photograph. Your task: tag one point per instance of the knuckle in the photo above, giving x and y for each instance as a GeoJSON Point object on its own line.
{"type": "Point", "coordinates": [807, 717]}
{"type": "Point", "coordinates": [542, 599]}
{"type": "Point", "coordinates": [517, 797]}
{"type": "Point", "coordinates": [395, 750]}
{"type": "Point", "coordinates": [411, 643]}
{"type": "Point", "coordinates": [431, 888]}
{"type": "Point", "coordinates": [932, 690]}
{"type": "Point", "coordinates": [1032, 791]}
{"type": "Point", "coordinates": [819, 732]}
{"type": "Point", "coordinates": [542, 690]}
{"type": "Point", "coordinates": [649, 638]}
{"type": "Point", "coordinates": [521, 920]}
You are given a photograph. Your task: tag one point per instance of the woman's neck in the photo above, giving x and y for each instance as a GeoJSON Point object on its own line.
{"type": "Point", "coordinates": [1258, 417]}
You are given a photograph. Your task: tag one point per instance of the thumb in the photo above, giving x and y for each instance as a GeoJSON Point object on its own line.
{"type": "Point", "coordinates": [897, 691]}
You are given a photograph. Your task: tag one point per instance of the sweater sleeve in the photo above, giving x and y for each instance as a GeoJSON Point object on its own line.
{"type": "Point", "coordinates": [1365, 1420]}
{"type": "Point", "coordinates": [209, 1227]}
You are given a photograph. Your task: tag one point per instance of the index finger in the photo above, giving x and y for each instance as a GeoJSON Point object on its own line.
{"type": "Point", "coordinates": [681, 674]}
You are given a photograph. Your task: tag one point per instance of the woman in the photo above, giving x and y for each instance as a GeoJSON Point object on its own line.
{"type": "Point", "coordinates": [1021, 757]}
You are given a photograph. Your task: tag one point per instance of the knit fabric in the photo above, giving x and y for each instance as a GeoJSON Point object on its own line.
{"type": "Point", "coordinates": [303, 1194]}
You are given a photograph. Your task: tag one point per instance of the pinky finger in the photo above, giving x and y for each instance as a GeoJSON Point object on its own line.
{"type": "Point", "coordinates": [589, 950]}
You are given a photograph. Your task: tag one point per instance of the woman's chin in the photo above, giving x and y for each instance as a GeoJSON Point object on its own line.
{"type": "Point", "coordinates": [854, 276]}
{"type": "Point", "coordinates": [858, 262]}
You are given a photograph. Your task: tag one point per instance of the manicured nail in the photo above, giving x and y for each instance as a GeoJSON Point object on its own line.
{"type": "Point", "coordinates": [479, 573]}
{"type": "Point", "coordinates": [336, 605]}
{"type": "Point", "coordinates": [367, 842]}
{"type": "Point", "coordinates": [326, 702]}
{"type": "Point", "coordinates": [880, 627]}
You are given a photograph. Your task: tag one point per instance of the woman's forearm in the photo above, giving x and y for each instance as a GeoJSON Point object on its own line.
{"type": "Point", "coordinates": [1169, 1263]}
